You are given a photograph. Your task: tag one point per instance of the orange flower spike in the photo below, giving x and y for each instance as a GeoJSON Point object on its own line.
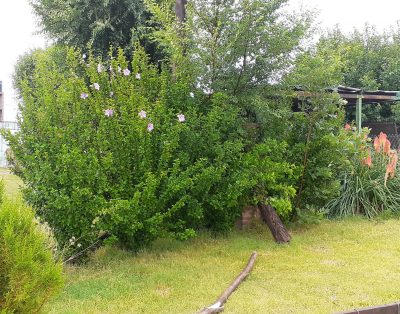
{"type": "Point", "coordinates": [377, 145]}
{"type": "Point", "coordinates": [382, 138]}
{"type": "Point", "coordinates": [367, 161]}
{"type": "Point", "coordinates": [386, 147]}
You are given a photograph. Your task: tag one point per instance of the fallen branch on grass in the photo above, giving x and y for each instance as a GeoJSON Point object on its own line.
{"type": "Point", "coordinates": [217, 307]}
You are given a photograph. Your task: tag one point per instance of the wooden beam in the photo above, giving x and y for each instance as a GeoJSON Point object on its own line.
{"type": "Point", "coordinates": [353, 96]}
{"type": "Point", "coordinates": [370, 97]}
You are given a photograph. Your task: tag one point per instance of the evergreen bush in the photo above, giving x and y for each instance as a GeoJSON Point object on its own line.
{"type": "Point", "coordinates": [29, 274]}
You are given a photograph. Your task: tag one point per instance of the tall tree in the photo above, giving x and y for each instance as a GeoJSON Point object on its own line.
{"type": "Point", "coordinates": [99, 23]}
{"type": "Point", "coordinates": [234, 46]}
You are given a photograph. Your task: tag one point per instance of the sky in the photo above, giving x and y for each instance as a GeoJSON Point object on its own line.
{"type": "Point", "coordinates": [18, 29]}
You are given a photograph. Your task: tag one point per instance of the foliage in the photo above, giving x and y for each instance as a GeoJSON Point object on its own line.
{"type": "Point", "coordinates": [233, 46]}
{"type": "Point", "coordinates": [370, 186]}
{"type": "Point", "coordinates": [99, 23]}
{"type": "Point", "coordinates": [120, 147]}
{"type": "Point", "coordinates": [370, 61]}
{"type": "Point", "coordinates": [29, 275]}
{"type": "Point", "coordinates": [315, 129]}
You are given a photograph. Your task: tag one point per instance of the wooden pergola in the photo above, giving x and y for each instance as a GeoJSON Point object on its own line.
{"type": "Point", "coordinates": [359, 97]}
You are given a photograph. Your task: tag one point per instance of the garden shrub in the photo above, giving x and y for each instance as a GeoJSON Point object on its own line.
{"type": "Point", "coordinates": [370, 185]}
{"type": "Point", "coordinates": [29, 274]}
{"type": "Point", "coordinates": [121, 147]}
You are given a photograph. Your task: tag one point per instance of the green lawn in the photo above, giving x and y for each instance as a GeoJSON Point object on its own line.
{"type": "Point", "coordinates": [329, 267]}
{"type": "Point", "coordinates": [12, 183]}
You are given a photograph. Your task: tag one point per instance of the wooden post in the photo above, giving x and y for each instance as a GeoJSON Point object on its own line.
{"type": "Point", "coordinates": [359, 113]}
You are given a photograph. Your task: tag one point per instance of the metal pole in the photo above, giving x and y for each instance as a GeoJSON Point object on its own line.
{"type": "Point", "coordinates": [359, 113]}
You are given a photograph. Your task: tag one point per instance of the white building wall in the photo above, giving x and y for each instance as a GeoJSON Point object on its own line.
{"type": "Point", "coordinates": [13, 127]}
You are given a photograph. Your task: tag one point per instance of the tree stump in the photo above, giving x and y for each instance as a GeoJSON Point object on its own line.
{"type": "Point", "coordinates": [271, 218]}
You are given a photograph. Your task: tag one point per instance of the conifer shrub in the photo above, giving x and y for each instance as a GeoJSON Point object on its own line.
{"type": "Point", "coordinates": [29, 274]}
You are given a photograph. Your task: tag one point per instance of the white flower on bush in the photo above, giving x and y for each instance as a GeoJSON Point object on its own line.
{"type": "Point", "coordinates": [191, 94]}
{"type": "Point", "coordinates": [99, 68]}
{"type": "Point", "coordinates": [72, 240]}
{"type": "Point", "coordinates": [96, 86]}
{"type": "Point", "coordinates": [138, 76]}
{"type": "Point", "coordinates": [84, 95]}
{"type": "Point", "coordinates": [126, 72]}
{"type": "Point", "coordinates": [108, 112]}
{"type": "Point", "coordinates": [150, 127]}
{"type": "Point", "coordinates": [181, 117]}
{"type": "Point", "coordinates": [142, 114]}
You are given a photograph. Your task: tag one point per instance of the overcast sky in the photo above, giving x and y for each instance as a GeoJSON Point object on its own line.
{"type": "Point", "coordinates": [18, 27]}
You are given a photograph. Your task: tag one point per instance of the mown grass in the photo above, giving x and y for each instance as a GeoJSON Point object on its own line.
{"type": "Point", "coordinates": [12, 183]}
{"type": "Point", "coordinates": [329, 267]}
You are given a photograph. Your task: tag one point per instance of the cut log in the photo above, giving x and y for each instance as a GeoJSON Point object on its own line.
{"type": "Point", "coordinates": [271, 218]}
{"type": "Point", "coordinates": [218, 307]}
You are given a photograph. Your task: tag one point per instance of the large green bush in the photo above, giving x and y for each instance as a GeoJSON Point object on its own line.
{"type": "Point", "coordinates": [29, 275]}
{"type": "Point", "coordinates": [123, 148]}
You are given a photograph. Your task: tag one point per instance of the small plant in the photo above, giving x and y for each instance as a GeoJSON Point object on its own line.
{"type": "Point", "coordinates": [29, 275]}
{"type": "Point", "coordinates": [370, 187]}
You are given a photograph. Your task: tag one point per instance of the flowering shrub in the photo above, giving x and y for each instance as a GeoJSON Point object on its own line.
{"type": "Point", "coordinates": [123, 148]}
{"type": "Point", "coordinates": [370, 186]}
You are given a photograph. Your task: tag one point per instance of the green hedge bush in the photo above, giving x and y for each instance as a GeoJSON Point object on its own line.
{"type": "Point", "coordinates": [124, 148]}
{"type": "Point", "coordinates": [29, 275]}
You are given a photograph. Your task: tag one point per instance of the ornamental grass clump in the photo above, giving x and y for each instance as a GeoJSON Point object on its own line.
{"type": "Point", "coordinates": [371, 185]}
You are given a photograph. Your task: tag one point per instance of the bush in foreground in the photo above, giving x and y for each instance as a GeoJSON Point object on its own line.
{"type": "Point", "coordinates": [29, 274]}
{"type": "Point", "coordinates": [119, 146]}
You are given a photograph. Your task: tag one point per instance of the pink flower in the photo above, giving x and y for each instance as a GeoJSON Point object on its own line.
{"type": "Point", "coordinates": [126, 72]}
{"type": "Point", "coordinates": [84, 95]}
{"type": "Point", "coordinates": [99, 68]}
{"type": "Point", "coordinates": [109, 112]}
{"type": "Point", "coordinates": [347, 127]}
{"type": "Point", "coordinates": [96, 86]}
{"type": "Point", "coordinates": [181, 117]}
{"type": "Point", "coordinates": [138, 76]}
{"type": "Point", "coordinates": [150, 127]}
{"type": "Point", "coordinates": [142, 114]}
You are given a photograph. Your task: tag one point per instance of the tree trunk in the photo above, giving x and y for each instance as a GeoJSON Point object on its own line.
{"type": "Point", "coordinates": [180, 10]}
{"type": "Point", "coordinates": [271, 218]}
{"type": "Point", "coordinates": [218, 305]}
